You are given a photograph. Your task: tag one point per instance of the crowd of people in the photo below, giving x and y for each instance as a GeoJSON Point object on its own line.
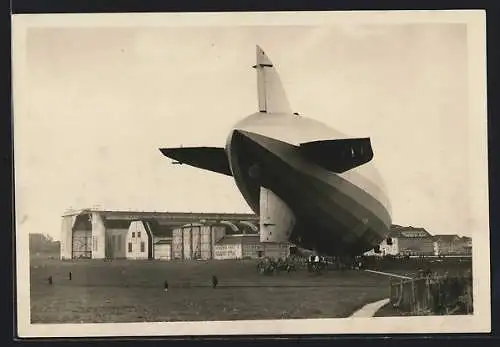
{"type": "Point", "coordinates": [312, 263]}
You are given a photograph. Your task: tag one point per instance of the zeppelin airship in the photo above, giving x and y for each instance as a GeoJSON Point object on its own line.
{"type": "Point", "coordinates": [309, 184]}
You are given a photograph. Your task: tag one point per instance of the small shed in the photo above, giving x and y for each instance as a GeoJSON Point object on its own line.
{"type": "Point", "coordinates": [163, 250]}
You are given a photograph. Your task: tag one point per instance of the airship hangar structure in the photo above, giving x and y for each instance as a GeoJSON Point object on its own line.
{"type": "Point", "coordinates": [105, 234]}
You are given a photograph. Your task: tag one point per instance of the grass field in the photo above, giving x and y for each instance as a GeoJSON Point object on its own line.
{"type": "Point", "coordinates": [132, 291]}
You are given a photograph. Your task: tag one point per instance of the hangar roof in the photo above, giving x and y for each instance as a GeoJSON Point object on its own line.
{"type": "Point", "coordinates": [130, 215]}
{"type": "Point", "coordinates": [162, 223]}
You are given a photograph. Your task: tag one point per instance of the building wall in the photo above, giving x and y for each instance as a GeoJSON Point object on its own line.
{"type": "Point", "coordinates": [452, 247]}
{"type": "Point", "coordinates": [116, 243]}
{"type": "Point", "coordinates": [276, 250]}
{"type": "Point", "coordinates": [67, 236]}
{"type": "Point", "coordinates": [137, 241]}
{"type": "Point", "coordinates": [163, 251]}
{"type": "Point", "coordinates": [227, 251]}
{"type": "Point", "coordinates": [177, 244]}
{"type": "Point", "coordinates": [251, 250]}
{"type": "Point", "coordinates": [187, 243]}
{"type": "Point", "coordinates": [98, 236]}
{"type": "Point", "coordinates": [416, 246]}
{"type": "Point", "coordinates": [196, 242]}
{"type": "Point", "coordinates": [206, 242]}
{"type": "Point", "coordinates": [251, 246]}
{"type": "Point", "coordinates": [388, 249]}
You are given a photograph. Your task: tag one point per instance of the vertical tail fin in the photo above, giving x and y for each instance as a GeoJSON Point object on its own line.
{"type": "Point", "coordinates": [271, 94]}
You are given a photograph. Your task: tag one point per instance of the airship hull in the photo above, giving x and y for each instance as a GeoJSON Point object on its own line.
{"type": "Point", "coordinates": [309, 183]}
{"type": "Point", "coordinates": [333, 214]}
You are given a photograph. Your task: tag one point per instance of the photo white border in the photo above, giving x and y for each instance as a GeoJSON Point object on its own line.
{"type": "Point", "coordinates": [480, 321]}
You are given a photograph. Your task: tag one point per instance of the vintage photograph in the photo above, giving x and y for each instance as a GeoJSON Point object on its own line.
{"type": "Point", "coordinates": [257, 173]}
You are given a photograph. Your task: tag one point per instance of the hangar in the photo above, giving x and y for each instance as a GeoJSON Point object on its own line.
{"type": "Point", "coordinates": [105, 234]}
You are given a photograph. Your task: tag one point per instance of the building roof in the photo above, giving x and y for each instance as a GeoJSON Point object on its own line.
{"type": "Point", "coordinates": [239, 239]}
{"type": "Point", "coordinates": [163, 242]}
{"type": "Point", "coordinates": [398, 231]}
{"type": "Point", "coordinates": [229, 240]}
{"type": "Point", "coordinates": [209, 216]}
{"type": "Point", "coordinates": [447, 238]}
{"type": "Point", "coordinates": [162, 223]}
{"type": "Point", "coordinates": [159, 229]}
{"type": "Point", "coordinates": [116, 223]}
{"type": "Point", "coordinates": [250, 238]}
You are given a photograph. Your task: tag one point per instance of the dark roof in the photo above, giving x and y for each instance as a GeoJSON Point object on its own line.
{"type": "Point", "coordinates": [159, 229]}
{"type": "Point", "coordinates": [229, 240]}
{"type": "Point", "coordinates": [398, 231]}
{"type": "Point", "coordinates": [446, 238]}
{"type": "Point", "coordinates": [250, 238]}
{"type": "Point", "coordinates": [163, 242]}
{"type": "Point", "coordinates": [239, 239]}
{"type": "Point", "coordinates": [116, 223]}
{"type": "Point", "coordinates": [82, 223]}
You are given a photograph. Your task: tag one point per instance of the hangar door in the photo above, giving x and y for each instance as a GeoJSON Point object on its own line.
{"type": "Point", "coordinates": [82, 244]}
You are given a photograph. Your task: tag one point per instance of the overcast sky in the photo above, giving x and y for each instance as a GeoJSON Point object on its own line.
{"type": "Point", "coordinates": [101, 101]}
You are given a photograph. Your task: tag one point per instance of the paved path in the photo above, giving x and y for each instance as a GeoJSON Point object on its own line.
{"type": "Point", "coordinates": [389, 274]}
{"type": "Point", "coordinates": [369, 310]}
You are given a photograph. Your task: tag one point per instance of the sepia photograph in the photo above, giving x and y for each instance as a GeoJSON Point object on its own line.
{"type": "Point", "coordinates": [251, 173]}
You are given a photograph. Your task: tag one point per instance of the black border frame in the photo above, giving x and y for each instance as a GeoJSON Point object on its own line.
{"type": "Point", "coordinates": [114, 6]}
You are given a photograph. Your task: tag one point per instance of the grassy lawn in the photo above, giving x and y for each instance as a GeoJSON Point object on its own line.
{"type": "Point", "coordinates": [132, 291]}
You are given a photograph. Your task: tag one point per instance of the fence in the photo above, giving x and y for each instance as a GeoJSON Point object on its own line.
{"type": "Point", "coordinates": [433, 295]}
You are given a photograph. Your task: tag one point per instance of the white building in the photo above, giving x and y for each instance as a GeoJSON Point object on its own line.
{"type": "Point", "coordinates": [405, 241]}
{"type": "Point", "coordinates": [228, 248]}
{"type": "Point", "coordinates": [139, 241]}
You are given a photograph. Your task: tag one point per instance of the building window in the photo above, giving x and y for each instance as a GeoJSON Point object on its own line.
{"type": "Point", "coordinates": [138, 234]}
{"type": "Point", "coordinates": [130, 247]}
{"type": "Point", "coordinates": [133, 233]}
{"type": "Point", "coordinates": [142, 247]}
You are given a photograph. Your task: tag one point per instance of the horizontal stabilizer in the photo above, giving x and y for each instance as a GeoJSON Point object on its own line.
{"type": "Point", "coordinates": [338, 155]}
{"type": "Point", "coordinates": [207, 158]}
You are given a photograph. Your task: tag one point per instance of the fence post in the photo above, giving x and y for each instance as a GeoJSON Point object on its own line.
{"type": "Point", "coordinates": [470, 305]}
{"type": "Point", "coordinates": [413, 301]}
{"type": "Point", "coordinates": [429, 294]}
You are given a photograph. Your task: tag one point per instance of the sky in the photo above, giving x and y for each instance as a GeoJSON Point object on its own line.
{"type": "Point", "coordinates": [99, 102]}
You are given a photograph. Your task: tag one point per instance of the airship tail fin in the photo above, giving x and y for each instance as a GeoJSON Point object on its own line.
{"type": "Point", "coordinates": [271, 94]}
{"type": "Point", "coordinates": [338, 155]}
{"type": "Point", "coordinates": [207, 158]}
